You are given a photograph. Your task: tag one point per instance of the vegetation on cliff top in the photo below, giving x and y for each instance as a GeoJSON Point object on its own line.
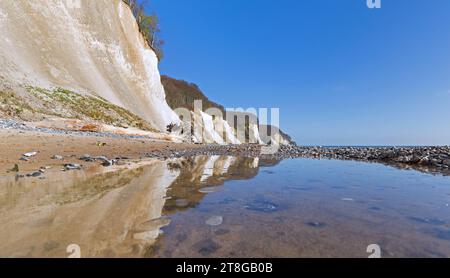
{"type": "Point", "coordinates": [148, 25]}
{"type": "Point", "coordinates": [182, 94]}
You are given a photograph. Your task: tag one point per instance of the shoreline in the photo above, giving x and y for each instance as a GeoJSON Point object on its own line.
{"type": "Point", "coordinates": [57, 148]}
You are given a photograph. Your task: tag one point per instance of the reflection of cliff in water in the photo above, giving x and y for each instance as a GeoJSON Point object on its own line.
{"type": "Point", "coordinates": [202, 175]}
{"type": "Point", "coordinates": [116, 214]}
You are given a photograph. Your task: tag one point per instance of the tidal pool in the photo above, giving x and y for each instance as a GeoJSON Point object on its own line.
{"type": "Point", "coordinates": [228, 207]}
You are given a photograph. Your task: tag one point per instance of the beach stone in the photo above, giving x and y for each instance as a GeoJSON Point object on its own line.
{"type": "Point", "coordinates": [108, 163]}
{"type": "Point", "coordinates": [34, 174]}
{"type": "Point", "coordinates": [434, 162]}
{"type": "Point", "coordinates": [72, 166]}
{"type": "Point", "coordinates": [101, 158]}
{"type": "Point", "coordinates": [424, 161]}
{"type": "Point", "coordinates": [207, 247]}
{"type": "Point", "coordinates": [214, 221]}
{"type": "Point", "coordinates": [262, 206]}
{"type": "Point", "coordinates": [30, 154]}
{"type": "Point", "coordinates": [57, 157]}
{"type": "Point", "coordinates": [415, 159]}
{"type": "Point", "coordinates": [87, 158]}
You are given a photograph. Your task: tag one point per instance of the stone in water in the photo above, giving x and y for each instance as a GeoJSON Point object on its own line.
{"type": "Point", "coordinates": [215, 221]}
{"type": "Point", "coordinates": [262, 206]}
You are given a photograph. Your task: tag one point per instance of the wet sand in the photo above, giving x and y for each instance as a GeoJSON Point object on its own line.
{"type": "Point", "coordinates": [13, 144]}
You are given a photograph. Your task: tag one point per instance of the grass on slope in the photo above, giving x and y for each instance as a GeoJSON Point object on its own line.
{"type": "Point", "coordinates": [39, 102]}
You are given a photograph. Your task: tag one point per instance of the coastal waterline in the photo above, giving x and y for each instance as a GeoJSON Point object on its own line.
{"type": "Point", "coordinates": [224, 206]}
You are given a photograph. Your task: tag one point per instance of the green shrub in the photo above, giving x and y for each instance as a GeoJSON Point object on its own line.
{"type": "Point", "coordinates": [148, 26]}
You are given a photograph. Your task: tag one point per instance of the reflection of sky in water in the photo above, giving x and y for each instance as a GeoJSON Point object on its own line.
{"type": "Point", "coordinates": [228, 207]}
{"type": "Point", "coordinates": [312, 208]}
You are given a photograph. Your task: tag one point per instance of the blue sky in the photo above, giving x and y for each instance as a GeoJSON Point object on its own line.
{"type": "Point", "coordinates": [341, 74]}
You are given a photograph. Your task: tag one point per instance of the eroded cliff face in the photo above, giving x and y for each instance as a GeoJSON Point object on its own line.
{"type": "Point", "coordinates": [56, 56]}
{"type": "Point", "coordinates": [93, 48]}
{"type": "Point", "coordinates": [229, 128]}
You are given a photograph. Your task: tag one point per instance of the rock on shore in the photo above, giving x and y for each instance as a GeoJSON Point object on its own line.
{"type": "Point", "coordinates": [438, 157]}
{"type": "Point", "coordinates": [47, 143]}
{"type": "Point", "coordinates": [430, 158]}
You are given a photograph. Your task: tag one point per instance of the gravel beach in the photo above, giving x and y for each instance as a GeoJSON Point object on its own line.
{"type": "Point", "coordinates": [26, 149]}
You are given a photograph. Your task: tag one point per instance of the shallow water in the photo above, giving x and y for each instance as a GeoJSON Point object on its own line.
{"type": "Point", "coordinates": [228, 207]}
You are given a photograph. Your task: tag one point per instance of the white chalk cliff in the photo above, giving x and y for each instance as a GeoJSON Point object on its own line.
{"type": "Point", "coordinates": [94, 47]}
{"type": "Point", "coordinates": [91, 48]}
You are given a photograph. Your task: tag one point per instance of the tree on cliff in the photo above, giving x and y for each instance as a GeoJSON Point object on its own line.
{"type": "Point", "coordinates": [148, 25]}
